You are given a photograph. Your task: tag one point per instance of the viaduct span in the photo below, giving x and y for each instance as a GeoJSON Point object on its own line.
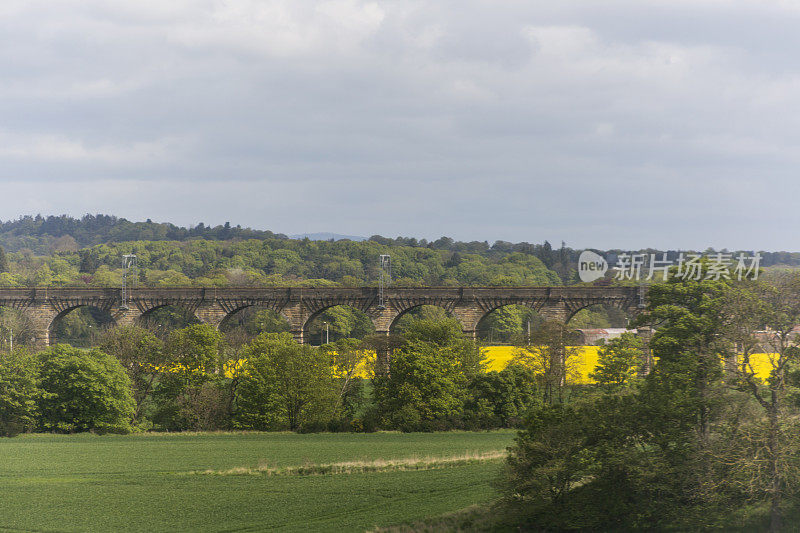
{"type": "Point", "coordinates": [44, 306]}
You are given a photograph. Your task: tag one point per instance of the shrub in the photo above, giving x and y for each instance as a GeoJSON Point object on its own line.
{"type": "Point", "coordinates": [19, 392]}
{"type": "Point", "coordinates": [285, 385]}
{"type": "Point", "coordinates": [84, 390]}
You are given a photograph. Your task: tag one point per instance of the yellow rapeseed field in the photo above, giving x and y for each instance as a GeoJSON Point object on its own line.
{"type": "Point", "coordinates": [498, 357]}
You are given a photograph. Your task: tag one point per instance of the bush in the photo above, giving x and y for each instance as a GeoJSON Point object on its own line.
{"type": "Point", "coordinates": [191, 394]}
{"type": "Point", "coordinates": [19, 393]}
{"type": "Point", "coordinates": [84, 390]}
{"type": "Point", "coordinates": [501, 399]}
{"type": "Point", "coordinates": [426, 388]}
{"type": "Point", "coordinates": [284, 385]}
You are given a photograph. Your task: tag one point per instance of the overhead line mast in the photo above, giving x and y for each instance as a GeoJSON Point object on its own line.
{"type": "Point", "coordinates": [128, 278]}
{"type": "Point", "coordinates": [384, 279]}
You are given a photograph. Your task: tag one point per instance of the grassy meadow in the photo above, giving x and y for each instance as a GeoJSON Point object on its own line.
{"type": "Point", "coordinates": [242, 481]}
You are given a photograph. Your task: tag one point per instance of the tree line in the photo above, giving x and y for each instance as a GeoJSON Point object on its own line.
{"type": "Point", "coordinates": [270, 262]}
{"type": "Point", "coordinates": [196, 378]}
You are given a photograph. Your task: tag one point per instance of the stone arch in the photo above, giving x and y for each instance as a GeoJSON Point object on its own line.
{"type": "Point", "coordinates": [311, 334]}
{"type": "Point", "coordinates": [616, 311]}
{"type": "Point", "coordinates": [79, 335]}
{"type": "Point", "coordinates": [236, 317]}
{"type": "Point", "coordinates": [530, 321]}
{"type": "Point", "coordinates": [151, 318]}
{"type": "Point", "coordinates": [393, 325]}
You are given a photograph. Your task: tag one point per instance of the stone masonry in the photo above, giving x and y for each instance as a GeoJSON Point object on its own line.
{"type": "Point", "coordinates": [298, 305]}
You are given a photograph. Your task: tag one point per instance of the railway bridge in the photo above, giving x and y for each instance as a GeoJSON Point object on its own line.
{"type": "Point", "coordinates": [299, 305]}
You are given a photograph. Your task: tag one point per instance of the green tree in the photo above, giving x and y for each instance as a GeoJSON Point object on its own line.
{"type": "Point", "coordinates": [763, 318]}
{"type": "Point", "coordinates": [425, 389]}
{"type": "Point", "coordinates": [447, 333]}
{"type": "Point", "coordinates": [265, 321]}
{"type": "Point", "coordinates": [349, 357]}
{"type": "Point", "coordinates": [689, 344]}
{"type": "Point", "coordinates": [191, 393]}
{"type": "Point", "coordinates": [501, 399]}
{"type": "Point", "coordinates": [284, 385]}
{"type": "Point", "coordinates": [19, 392]}
{"type": "Point", "coordinates": [619, 361]}
{"type": "Point", "coordinates": [549, 457]}
{"type": "Point", "coordinates": [142, 355]}
{"type": "Point", "coordinates": [3, 260]}
{"type": "Point", "coordinates": [508, 325]}
{"type": "Point", "coordinates": [339, 322]}
{"type": "Point", "coordinates": [194, 351]}
{"type": "Point", "coordinates": [84, 390]}
{"type": "Point", "coordinates": [550, 355]}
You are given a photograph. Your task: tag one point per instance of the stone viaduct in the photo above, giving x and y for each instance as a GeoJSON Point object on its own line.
{"type": "Point", "coordinates": [44, 306]}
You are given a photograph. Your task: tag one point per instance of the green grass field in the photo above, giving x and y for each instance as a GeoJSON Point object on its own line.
{"type": "Point", "coordinates": [154, 482]}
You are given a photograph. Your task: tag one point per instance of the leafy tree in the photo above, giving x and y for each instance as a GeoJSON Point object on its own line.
{"type": "Point", "coordinates": [425, 389]}
{"type": "Point", "coordinates": [19, 392]}
{"type": "Point", "coordinates": [84, 390]}
{"type": "Point", "coordinates": [342, 323]}
{"type": "Point", "coordinates": [194, 351]}
{"type": "Point", "coordinates": [690, 346]}
{"type": "Point", "coordinates": [16, 328]}
{"type": "Point", "coordinates": [190, 393]}
{"type": "Point", "coordinates": [81, 327]}
{"type": "Point", "coordinates": [619, 361]}
{"type": "Point", "coordinates": [509, 325]}
{"type": "Point", "coordinates": [427, 385]}
{"type": "Point", "coordinates": [550, 356]}
{"type": "Point", "coordinates": [89, 261]}
{"type": "Point", "coordinates": [633, 458]}
{"type": "Point", "coordinates": [763, 318]}
{"type": "Point", "coordinates": [143, 357]}
{"type": "Point", "coordinates": [501, 399]}
{"type": "Point", "coordinates": [587, 465]}
{"type": "Point", "coordinates": [265, 321]}
{"type": "Point", "coordinates": [257, 402]}
{"type": "Point", "coordinates": [349, 357]}
{"type": "Point", "coordinates": [429, 313]}
{"type": "Point", "coordinates": [549, 457]}
{"type": "Point", "coordinates": [164, 320]}
{"type": "Point", "coordinates": [284, 384]}
{"type": "Point", "coordinates": [3, 260]}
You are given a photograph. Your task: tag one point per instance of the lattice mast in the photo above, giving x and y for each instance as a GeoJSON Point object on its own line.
{"type": "Point", "coordinates": [385, 277]}
{"type": "Point", "coordinates": [128, 278]}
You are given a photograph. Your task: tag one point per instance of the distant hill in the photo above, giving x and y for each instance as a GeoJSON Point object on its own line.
{"type": "Point", "coordinates": [46, 235]}
{"type": "Point", "coordinates": [328, 237]}
{"type": "Point", "coordinates": [43, 235]}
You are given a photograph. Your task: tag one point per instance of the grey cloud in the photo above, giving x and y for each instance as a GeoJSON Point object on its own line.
{"type": "Point", "coordinates": [619, 124]}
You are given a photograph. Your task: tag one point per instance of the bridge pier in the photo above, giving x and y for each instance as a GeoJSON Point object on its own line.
{"type": "Point", "coordinates": [126, 317]}
{"type": "Point", "coordinates": [469, 315]}
{"type": "Point", "coordinates": [557, 311]}
{"type": "Point", "coordinates": [41, 318]}
{"type": "Point", "coordinates": [211, 313]}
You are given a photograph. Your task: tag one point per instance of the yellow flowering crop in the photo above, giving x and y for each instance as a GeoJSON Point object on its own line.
{"type": "Point", "coordinates": [498, 357]}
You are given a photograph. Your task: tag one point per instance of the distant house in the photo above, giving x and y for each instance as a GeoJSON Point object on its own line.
{"type": "Point", "coordinates": [592, 337]}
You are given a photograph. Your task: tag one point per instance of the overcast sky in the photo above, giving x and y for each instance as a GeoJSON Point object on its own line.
{"type": "Point", "coordinates": [609, 124]}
